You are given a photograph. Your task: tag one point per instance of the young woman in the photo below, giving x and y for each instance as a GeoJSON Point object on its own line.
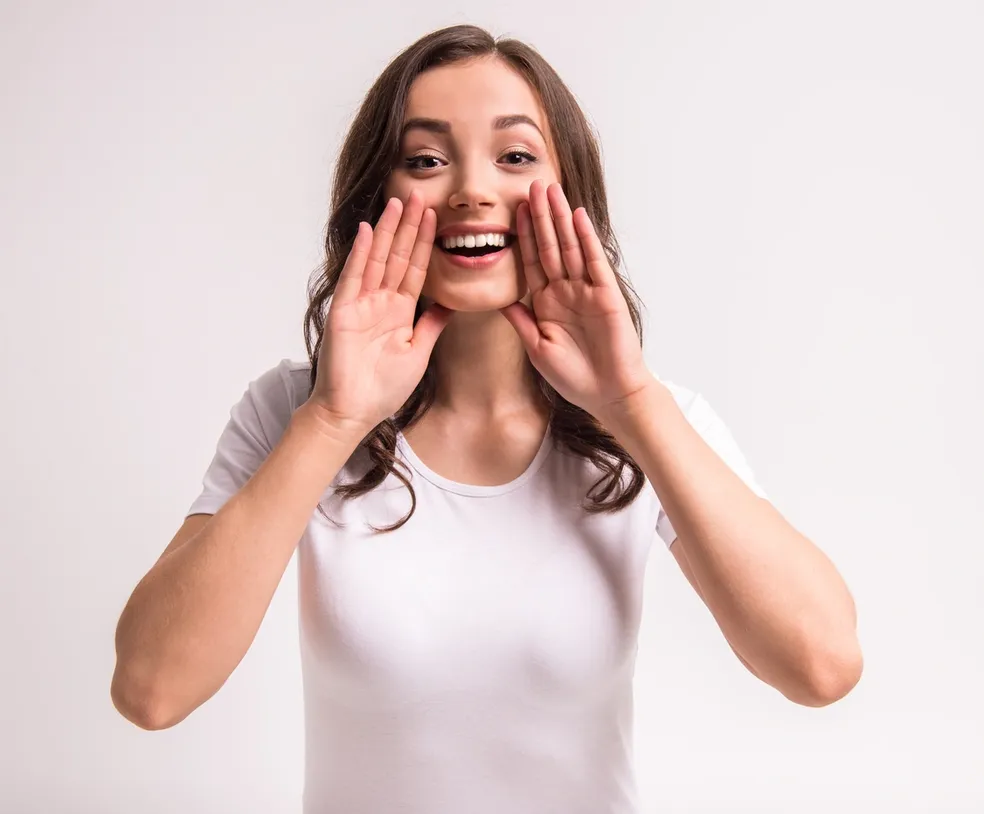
{"type": "Point", "coordinates": [473, 466]}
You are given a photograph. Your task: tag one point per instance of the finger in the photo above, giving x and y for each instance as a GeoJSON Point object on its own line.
{"type": "Point", "coordinates": [416, 270]}
{"type": "Point", "coordinates": [350, 280]}
{"type": "Point", "coordinates": [570, 244]}
{"type": "Point", "coordinates": [596, 261]}
{"type": "Point", "coordinates": [536, 278]}
{"type": "Point", "coordinates": [382, 239]}
{"type": "Point", "coordinates": [403, 242]}
{"type": "Point", "coordinates": [546, 236]}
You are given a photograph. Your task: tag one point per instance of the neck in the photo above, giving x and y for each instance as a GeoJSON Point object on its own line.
{"type": "Point", "coordinates": [483, 371]}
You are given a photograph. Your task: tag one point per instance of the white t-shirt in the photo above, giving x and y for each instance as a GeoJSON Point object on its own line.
{"type": "Point", "coordinates": [478, 660]}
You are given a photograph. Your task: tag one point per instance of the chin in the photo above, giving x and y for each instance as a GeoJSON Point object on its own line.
{"type": "Point", "coordinates": [474, 299]}
{"type": "Point", "coordinates": [474, 294]}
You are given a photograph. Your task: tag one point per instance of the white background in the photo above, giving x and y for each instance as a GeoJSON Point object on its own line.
{"type": "Point", "coordinates": [798, 190]}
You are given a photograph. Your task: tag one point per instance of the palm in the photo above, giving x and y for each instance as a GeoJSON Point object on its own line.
{"type": "Point", "coordinates": [371, 342]}
{"type": "Point", "coordinates": [376, 318]}
{"type": "Point", "coordinates": [570, 314]}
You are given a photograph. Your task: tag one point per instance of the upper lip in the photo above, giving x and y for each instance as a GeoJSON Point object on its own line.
{"type": "Point", "coordinates": [473, 229]}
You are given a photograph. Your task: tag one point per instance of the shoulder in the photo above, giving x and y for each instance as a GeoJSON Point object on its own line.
{"type": "Point", "coordinates": [272, 397]}
{"type": "Point", "coordinates": [296, 378]}
{"type": "Point", "coordinates": [283, 387]}
{"type": "Point", "coordinates": [256, 423]}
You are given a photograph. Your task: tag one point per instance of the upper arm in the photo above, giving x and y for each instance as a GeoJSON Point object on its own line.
{"type": "Point", "coordinates": [679, 551]}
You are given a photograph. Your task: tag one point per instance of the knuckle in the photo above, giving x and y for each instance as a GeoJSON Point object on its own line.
{"type": "Point", "coordinates": [400, 253]}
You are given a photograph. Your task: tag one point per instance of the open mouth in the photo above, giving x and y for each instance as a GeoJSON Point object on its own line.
{"type": "Point", "coordinates": [500, 242]}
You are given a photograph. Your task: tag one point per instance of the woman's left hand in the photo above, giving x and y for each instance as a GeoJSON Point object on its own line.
{"type": "Point", "coordinates": [579, 335]}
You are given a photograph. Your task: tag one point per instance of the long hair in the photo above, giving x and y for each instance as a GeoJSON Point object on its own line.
{"type": "Point", "coordinates": [364, 162]}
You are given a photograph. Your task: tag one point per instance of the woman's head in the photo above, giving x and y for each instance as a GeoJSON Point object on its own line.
{"type": "Point", "coordinates": [474, 137]}
{"type": "Point", "coordinates": [470, 122]}
{"type": "Point", "coordinates": [463, 77]}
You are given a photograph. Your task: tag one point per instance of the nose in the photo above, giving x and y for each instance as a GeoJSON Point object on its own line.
{"type": "Point", "coordinates": [474, 186]}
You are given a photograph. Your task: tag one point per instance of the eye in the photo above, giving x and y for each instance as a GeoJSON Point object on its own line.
{"type": "Point", "coordinates": [414, 162]}
{"type": "Point", "coordinates": [527, 158]}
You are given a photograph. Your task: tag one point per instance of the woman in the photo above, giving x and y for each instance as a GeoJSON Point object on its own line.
{"type": "Point", "coordinates": [473, 466]}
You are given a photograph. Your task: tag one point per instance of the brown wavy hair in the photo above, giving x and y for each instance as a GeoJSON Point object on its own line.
{"type": "Point", "coordinates": [366, 156]}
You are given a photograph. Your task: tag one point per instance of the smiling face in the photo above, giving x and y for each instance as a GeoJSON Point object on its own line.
{"type": "Point", "coordinates": [475, 138]}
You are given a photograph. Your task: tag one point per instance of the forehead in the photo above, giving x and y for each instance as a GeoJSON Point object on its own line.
{"type": "Point", "coordinates": [472, 93]}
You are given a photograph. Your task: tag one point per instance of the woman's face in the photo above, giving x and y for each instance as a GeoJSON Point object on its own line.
{"type": "Point", "coordinates": [475, 138]}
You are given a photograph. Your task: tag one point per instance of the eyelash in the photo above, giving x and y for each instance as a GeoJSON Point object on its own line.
{"type": "Point", "coordinates": [411, 162]}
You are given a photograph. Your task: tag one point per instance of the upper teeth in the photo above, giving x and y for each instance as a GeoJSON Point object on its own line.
{"type": "Point", "coordinates": [473, 241]}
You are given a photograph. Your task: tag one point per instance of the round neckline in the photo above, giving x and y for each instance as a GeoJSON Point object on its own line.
{"type": "Point", "coordinates": [470, 489]}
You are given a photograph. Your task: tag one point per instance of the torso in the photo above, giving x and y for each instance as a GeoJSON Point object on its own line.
{"type": "Point", "coordinates": [479, 657]}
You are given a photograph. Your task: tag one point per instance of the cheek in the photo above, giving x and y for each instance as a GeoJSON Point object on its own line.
{"type": "Point", "coordinates": [520, 191]}
{"type": "Point", "coordinates": [395, 187]}
{"type": "Point", "coordinates": [402, 187]}
{"type": "Point", "coordinates": [401, 182]}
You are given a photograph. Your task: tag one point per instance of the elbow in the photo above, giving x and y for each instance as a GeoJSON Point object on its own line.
{"type": "Point", "coordinates": [832, 675]}
{"type": "Point", "coordinates": [139, 705]}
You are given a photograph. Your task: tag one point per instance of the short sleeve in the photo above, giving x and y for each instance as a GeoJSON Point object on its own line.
{"type": "Point", "coordinates": [256, 423]}
{"type": "Point", "coordinates": [718, 437]}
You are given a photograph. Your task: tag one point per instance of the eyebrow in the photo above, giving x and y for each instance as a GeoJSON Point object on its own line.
{"type": "Point", "coordinates": [441, 127]}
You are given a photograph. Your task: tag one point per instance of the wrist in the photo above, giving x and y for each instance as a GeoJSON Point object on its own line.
{"type": "Point", "coordinates": [640, 405]}
{"type": "Point", "coordinates": [312, 417]}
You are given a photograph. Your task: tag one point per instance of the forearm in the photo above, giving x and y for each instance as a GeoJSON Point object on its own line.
{"type": "Point", "coordinates": [777, 598]}
{"type": "Point", "coordinates": [193, 617]}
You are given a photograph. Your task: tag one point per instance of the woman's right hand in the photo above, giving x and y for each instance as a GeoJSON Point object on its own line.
{"type": "Point", "coordinates": [372, 356]}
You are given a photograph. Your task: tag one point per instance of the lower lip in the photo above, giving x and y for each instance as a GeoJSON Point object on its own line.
{"type": "Point", "coordinates": [481, 262]}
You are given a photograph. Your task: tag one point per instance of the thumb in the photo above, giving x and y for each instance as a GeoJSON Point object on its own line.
{"type": "Point", "coordinates": [428, 328]}
{"type": "Point", "coordinates": [522, 319]}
